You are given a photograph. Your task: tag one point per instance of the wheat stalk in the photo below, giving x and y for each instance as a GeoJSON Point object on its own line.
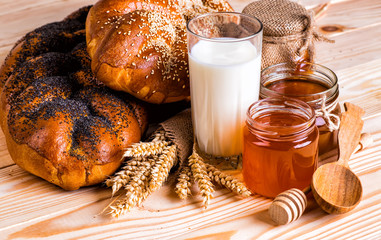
{"type": "Point", "coordinates": [122, 177]}
{"type": "Point", "coordinates": [148, 167]}
{"type": "Point", "coordinates": [227, 181]}
{"type": "Point", "coordinates": [142, 175]}
{"type": "Point", "coordinates": [201, 177]}
{"type": "Point", "coordinates": [144, 149]}
{"type": "Point", "coordinates": [160, 170]}
{"type": "Point", "coordinates": [135, 189]}
{"type": "Point", "coordinates": [184, 182]}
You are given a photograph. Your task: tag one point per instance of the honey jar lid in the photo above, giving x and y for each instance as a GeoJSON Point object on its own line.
{"type": "Point", "coordinates": [279, 17]}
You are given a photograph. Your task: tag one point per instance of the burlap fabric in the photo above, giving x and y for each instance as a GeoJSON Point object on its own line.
{"type": "Point", "coordinates": [179, 129]}
{"type": "Point", "coordinates": [288, 31]}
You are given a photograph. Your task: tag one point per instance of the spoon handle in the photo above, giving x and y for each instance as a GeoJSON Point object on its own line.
{"type": "Point", "coordinates": [350, 130]}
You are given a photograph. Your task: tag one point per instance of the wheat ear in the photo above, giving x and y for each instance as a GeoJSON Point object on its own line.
{"type": "Point", "coordinates": [122, 177]}
{"type": "Point", "coordinates": [227, 181]}
{"type": "Point", "coordinates": [184, 182]}
{"type": "Point", "coordinates": [143, 149]}
{"type": "Point", "coordinates": [161, 168]}
{"type": "Point", "coordinates": [201, 177]}
{"type": "Point", "coordinates": [158, 135]}
{"type": "Point", "coordinates": [135, 190]}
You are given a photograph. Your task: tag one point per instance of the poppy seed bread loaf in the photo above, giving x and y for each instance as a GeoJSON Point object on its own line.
{"type": "Point", "coordinates": [59, 121]}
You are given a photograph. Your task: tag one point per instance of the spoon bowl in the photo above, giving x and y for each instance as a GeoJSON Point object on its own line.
{"type": "Point", "coordinates": [338, 194]}
{"type": "Point", "coordinates": [335, 187]}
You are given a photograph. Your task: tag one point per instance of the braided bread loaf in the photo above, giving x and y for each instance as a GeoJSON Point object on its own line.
{"type": "Point", "coordinates": [60, 123]}
{"type": "Point", "coordinates": [140, 46]}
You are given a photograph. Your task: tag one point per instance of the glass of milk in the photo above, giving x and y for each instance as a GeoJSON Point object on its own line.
{"type": "Point", "coordinates": [224, 50]}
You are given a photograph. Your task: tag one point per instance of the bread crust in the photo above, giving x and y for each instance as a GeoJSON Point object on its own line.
{"type": "Point", "coordinates": [140, 47]}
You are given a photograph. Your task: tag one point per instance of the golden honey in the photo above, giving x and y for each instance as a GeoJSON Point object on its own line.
{"type": "Point", "coordinates": [280, 148]}
{"type": "Point", "coordinates": [312, 83]}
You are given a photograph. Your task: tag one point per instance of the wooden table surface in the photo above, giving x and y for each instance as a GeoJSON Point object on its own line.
{"type": "Point", "coordinates": [33, 208]}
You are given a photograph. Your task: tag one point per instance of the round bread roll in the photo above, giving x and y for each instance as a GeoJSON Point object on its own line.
{"type": "Point", "coordinates": [140, 47]}
{"type": "Point", "coordinates": [59, 122]}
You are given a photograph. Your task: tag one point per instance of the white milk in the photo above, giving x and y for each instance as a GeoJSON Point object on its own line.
{"type": "Point", "coordinates": [224, 81]}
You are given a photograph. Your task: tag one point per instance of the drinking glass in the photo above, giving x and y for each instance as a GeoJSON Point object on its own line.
{"type": "Point", "coordinates": [224, 50]}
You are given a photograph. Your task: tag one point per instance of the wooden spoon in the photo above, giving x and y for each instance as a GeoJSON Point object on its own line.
{"type": "Point", "coordinates": [334, 186]}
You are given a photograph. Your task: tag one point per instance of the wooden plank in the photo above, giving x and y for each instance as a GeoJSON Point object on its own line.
{"type": "Point", "coordinates": [314, 224]}
{"type": "Point", "coordinates": [351, 49]}
{"type": "Point", "coordinates": [345, 16]}
{"type": "Point", "coordinates": [23, 216]}
{"type": "Point", "coordinates": [9, 6]}
{"type": "Point", "coordinates": [29, 205]}
{"type": "Point", "coordinates": [362, 87]}
{"type": "Point", "coordinates": [21, 21]}
{"type": "Point", "coordinates": [5, 158]}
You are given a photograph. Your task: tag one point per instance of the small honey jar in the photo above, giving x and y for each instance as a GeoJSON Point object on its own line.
{"type": "Point", "coordinates": [316, 85]}
{"type": "Point", "coordinates": [280, 149]}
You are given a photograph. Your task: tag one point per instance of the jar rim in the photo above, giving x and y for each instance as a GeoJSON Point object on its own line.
{"type": "Point", "coordinates": [267, 105]}
{"type": "Point", "coordinates": [331, 91]}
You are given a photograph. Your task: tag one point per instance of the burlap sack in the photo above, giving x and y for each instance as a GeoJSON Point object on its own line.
{"type": "Point", "coordinates": [288, 31]}
{"type": "Point", "coordinates": [180, 131]}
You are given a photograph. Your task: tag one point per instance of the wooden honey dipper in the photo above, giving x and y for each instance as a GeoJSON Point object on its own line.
{"type": "Point", "coordinates": [288, 206]}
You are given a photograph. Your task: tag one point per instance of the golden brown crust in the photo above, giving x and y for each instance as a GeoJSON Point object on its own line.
{"type": "Point", "coordinates": [28, 159]}
{"type": "Point", "coordinates": [140, 47]}
{"type": "Point", "coordinates": [60, 123]}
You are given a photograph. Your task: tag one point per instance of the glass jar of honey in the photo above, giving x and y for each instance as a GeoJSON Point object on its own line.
{"type": "Point", "coordinates": [280, 149]}
{"type": "Point", "coordinates": [313, 83]}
